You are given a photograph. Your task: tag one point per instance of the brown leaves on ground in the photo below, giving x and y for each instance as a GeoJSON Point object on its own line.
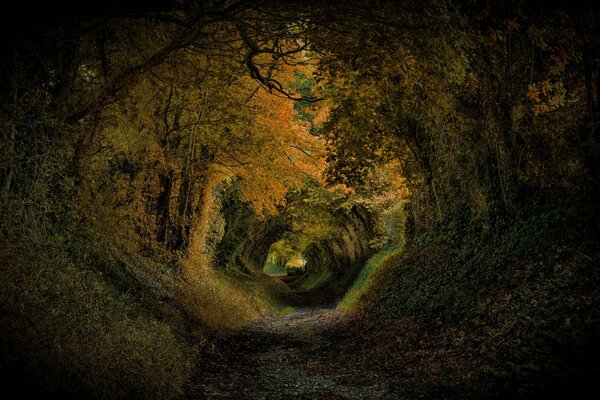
{"type": "Point", "coordinates": [320, 354]}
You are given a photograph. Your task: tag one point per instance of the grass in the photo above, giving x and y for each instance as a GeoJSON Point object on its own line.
{"type": "Point", "coordinates": [377, 269]}
{"type": "Point", "coordinates": [69, 331]}
{"type": "Point", "coordinates": [274, 269]}
{"type": "Point", "coordinates": [224, 301]}
{"type": "Point", "coordinates": [314, 280]}
{"type": "Point", "coordinates": [284, 312]}
{"type": "Point", "coordinates": [83, 318]}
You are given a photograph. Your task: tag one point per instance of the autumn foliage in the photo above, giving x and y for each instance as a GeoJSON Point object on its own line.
{"type": "Point", "coordinates": [153, 158]}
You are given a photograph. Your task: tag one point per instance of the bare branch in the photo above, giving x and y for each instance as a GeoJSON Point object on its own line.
{"type": "Point", "coordinates": [267, 80]}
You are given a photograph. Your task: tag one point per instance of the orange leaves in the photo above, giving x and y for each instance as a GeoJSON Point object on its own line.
{"type": "Point", "coordinates": [277, 150]}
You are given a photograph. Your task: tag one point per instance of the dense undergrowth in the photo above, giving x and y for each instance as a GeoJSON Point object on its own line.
{"type": "Point", "coordinates": [69, 329]}
{"type": "Point", "coordinates": [83, 315]}
{"type": "Point", "coordinates": [510, 312]}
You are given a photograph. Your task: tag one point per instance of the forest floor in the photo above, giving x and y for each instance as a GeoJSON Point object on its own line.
{"type": "Point", "coordinates": [295, 355]}
{"type": "Point", "coordinates": [312, 351]}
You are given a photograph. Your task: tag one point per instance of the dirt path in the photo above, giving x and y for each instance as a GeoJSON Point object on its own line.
{"type": "Point", "coordinates": [287, 357]}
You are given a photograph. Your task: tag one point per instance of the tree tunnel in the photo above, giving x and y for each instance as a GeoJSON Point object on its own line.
{"type": "Point", "coordinates": [323, 244]}
{"type": "Point", "coordinates": [162, 164]}
{"type": "Point", "coordinates": [247, 238]}
{"type": "Point", "coordinates": [333, 263]}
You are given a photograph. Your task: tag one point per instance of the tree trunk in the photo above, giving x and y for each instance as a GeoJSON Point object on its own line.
{"type": "Point", "coordinates": [590, 141]}
{"type": "Point", "coordinates": [11, 138]}
{"type": "Point", "coordinates": [163, 208]}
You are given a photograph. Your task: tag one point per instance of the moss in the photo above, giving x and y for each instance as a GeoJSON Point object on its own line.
{"type": "Point", "coordinates": [378, 268]}
{"type": "Point", "coordinates": [284, 312]}
{"type": "Point", "coordinates": [368, 280]}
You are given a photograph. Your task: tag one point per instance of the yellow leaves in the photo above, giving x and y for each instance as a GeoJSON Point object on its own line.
{"type": "Point", "coordinates": [512, 25]}
{"type": "Point", "coordinates": [266, 147]}
{"type": "Point", "coordinates": [546, 96]}
{"type": "Point", "coordinates": [322, 114]}
{"type": "Point", "coordinates": [296, 262]}
{"type": "Point", "coordinates": [343, 188]}
{"type": "Point", "coordinates": [557, 65]}
{"type": "Point", "coordinates": [292, 150]}
{"type": "Point", "coordinates": [534, 94]}
{"type": "Point", "coordinates": [216, 118]}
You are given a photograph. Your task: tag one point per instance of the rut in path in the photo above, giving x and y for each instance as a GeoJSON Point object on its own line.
{"type": "Point", "coordinates": [288, 357]}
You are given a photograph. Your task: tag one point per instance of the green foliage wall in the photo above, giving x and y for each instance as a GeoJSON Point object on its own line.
{"type": "Point", "coordinates": [495, 103]}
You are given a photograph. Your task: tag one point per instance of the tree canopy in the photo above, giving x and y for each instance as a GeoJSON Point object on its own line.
{"type": "Point", "coordinates": [162, 152]}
